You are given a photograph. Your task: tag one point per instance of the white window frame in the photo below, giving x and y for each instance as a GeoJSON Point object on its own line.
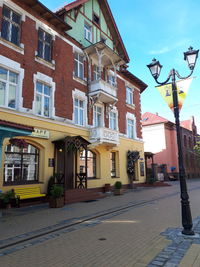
{"type": "Point", "coordinates": [81, 96]}
{"type": "Point", "coordinates": [7, 83]}
{"type": "Point", "coordinates": [79, 120]}
{"type": "Point", "coordinates": [112, 79]}
{"type": "Point", "coordinates": [95, 115]}
{"type": "Point", "coordinates": [96, 73]}
{"type": "Point", "coordinates": [112, 119]}
{"type": "Point", "coordinates": [44, 79]}
{"type": "Point", "coordinates": [15, 67]}
{"type": "Point", "coordinates": [130, 116]}
{"type": "Point", "coordinates": [80, 64]}
{"type": "Point", "coordinates": [129, 95]}
{"type": "Point", "coordinates": [88, 32]}
{"type": "Point", "coordinates": [43, 97]}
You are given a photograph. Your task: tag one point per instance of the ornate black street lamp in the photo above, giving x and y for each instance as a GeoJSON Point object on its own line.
{"type": "Point", "coordinates": [155, 68]}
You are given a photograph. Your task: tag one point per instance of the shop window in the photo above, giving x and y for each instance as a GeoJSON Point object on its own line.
{"type": "Point", "coordinates": [113, 164]}
{"type": "Point", "coordinates": [21, 164]}
{"type": "Point", "coordinates": [43, 99]}
{"type": "Point", "coordinates": [44, 45]}
{"type": "Point", "coordinates": [91, 163]}
{"type": "Point", "coordinates": [11, 24]}
{"type": "Point", "coordinates": [8, 88]}
{"type": "Point", "coordinates": [78, 65]}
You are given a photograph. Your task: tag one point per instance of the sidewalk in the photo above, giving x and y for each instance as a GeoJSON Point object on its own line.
{"type": "Point", "coordinates": [169, 249]}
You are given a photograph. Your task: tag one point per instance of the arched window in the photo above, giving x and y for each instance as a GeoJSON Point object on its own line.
{"type": "Point", "coordinates": [21, 164]}
{"type": "Point", "coordinates": [91, 163]}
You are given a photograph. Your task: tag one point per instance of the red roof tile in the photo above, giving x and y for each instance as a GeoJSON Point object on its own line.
{"type": "Point", "coordinates": [149, 118]}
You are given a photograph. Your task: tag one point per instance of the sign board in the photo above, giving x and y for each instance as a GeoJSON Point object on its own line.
{"type": "Point", "coordinates": [40, 133]}
{"type": "Point", "coordinates": [51, 162]}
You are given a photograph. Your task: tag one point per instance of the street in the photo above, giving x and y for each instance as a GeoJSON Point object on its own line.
{"type": "Point", "coordinates": [114, 231]}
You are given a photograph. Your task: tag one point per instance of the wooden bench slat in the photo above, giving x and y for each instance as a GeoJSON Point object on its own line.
{"type": "Point", "coordinates": [28, 192]}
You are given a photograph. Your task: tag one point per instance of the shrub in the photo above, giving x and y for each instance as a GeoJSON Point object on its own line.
{"type": "Point", "coordinates": [118, 185]}
{"type": "Point", "coordinates": [56, 191]}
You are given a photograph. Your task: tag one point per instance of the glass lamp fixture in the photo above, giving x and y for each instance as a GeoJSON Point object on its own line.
{"type": "Point", "coordinates": [191, 57]}
{"type": "Point", "coordinates": [155, 68]}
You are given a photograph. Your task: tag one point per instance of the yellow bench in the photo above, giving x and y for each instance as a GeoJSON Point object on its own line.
{"type": "Point", "coordinates": [28, 192]}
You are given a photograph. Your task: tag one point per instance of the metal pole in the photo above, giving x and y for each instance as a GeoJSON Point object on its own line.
{"type": "Point", "coordinates": [185, 204]}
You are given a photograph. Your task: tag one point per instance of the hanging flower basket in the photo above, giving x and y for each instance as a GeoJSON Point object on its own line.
{"type": "Point", "coordinates": [21, 143]}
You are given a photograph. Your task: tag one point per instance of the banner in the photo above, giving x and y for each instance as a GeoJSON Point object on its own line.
{"type": "Point", "coordinates": [182, 90]}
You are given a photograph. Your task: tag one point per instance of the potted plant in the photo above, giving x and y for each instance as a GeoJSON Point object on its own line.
{"type": "Point", "coordinates": [118, 188]}
{"type": "Point", "coordinates": [56, 199]}
{"type": "Point", "coordinates": [6, 199]}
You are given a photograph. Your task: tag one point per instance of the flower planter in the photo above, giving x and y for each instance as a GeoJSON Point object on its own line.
{"type": "Point", "coordinates": [118, 192]}
{"type": "Point", "coordinates": [56, 202]}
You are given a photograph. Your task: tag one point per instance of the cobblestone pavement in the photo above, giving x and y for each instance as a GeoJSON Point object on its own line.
{"type": "Point", "coordinates": [128, 234]}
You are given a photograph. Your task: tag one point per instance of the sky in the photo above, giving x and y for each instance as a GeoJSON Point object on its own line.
{"type": "Point", "coordinates": [162, 30]}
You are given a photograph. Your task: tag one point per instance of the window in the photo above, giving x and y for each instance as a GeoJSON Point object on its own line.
{"type": "Point", "coordinates": [8, 88]}
{"type": "Point", "coordinates": [96, 73]}
{"type": "Point", "coordinates": [113, 164]}
{"type": "Point", "coordinates": [113, 120]}
{"type": "Point", "coordinates": [11, 22]}
{"type": "Point", "coordinates": [21, 165]}
{"type": "Point", "coordinates": [78, 111]}
{"type": "Point", "coordinates": [44, 45]}
{"type": "Point", "coordinates": [43, 99]}
{"type": "Point", "coordinates": [79, 65]}
{"type": "Point", "coordinates": [111, 80]}
{"type": "Point", "coordinates": [185, 140]}
{"type": "Point", "coordinates": [97, 116]}
{"type": "Point", "coordinates": [91, 163]}
{"type": "Point", "coordinates": [129, 96]}
{"type": "Point", "coordinates": [88, 32]}
{"type": "Point", "coordinates": [96, 19]}
{"type": "Point", "coordinates": [130, 128]}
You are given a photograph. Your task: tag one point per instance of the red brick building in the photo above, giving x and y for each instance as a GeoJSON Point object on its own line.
{"type": "Point", "coordinates": [69, 81]}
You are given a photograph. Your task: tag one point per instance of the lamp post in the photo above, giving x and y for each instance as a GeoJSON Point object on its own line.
{"type": "Point", "coordinates": [155, 68]}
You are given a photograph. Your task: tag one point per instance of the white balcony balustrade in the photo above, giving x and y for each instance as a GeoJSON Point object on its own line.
{"type": "Point", "coordinates": [102, 135]}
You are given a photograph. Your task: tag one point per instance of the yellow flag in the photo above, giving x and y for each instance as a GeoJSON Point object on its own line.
{"type": "Point", "coordinates": [182, 89]}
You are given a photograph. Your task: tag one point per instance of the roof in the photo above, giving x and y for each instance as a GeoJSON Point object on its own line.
{"type": "Point", "coordinates": [132, 77]}
{"type": "Point", "coordinates": [47, 14]}
{"type": "Point", "coordinates": [109, 19]}
{"type": "Point", "coordinates": [186, 124]}
{"type": "Point", "coordinates": [149, 118]}
{"type": "Point", "coordinates": [4, 123]}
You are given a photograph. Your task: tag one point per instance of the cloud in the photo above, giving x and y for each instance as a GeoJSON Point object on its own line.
{"type": "Point", "coordinates": [167, 49]}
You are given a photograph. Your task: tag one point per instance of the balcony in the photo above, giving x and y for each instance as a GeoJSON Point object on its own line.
{"type": "Point", "coordinates": [105, 92]}
{"type": "Point", "coordinates": [104, 136]}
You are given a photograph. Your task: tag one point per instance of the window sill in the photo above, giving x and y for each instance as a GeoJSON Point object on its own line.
{"type": "Point", "coordinates": [132, 106]}
{"type": "Point", "coordinates": [79, 80]}
{"type": "Point", "coordinates": [93, 178]}
{"type": "Point", "coordinates": [21, 183]}
{"type": "Point", "coordinates": [18, 49]}
{"type": "Point", "coordinates": [116, 177]}
{"type": "Point", "coordinates": [45, 63]}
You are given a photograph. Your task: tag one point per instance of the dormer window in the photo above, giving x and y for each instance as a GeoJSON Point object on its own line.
{"type": "Point", "coordinates": [96, 19]}
{"type": "Point", "coordinates": [88, 32]}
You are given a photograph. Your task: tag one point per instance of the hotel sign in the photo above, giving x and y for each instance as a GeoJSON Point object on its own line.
{"type": "Point", "coordinates": [40, 133]}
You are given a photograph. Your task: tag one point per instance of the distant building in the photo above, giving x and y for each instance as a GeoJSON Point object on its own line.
{"type": "Point", "coordinates": [159, 135]}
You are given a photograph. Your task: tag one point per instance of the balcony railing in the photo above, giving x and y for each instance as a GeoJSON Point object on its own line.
{"type": "Point", "coordinates": [102, 135]}
{"type": "Point", "coordinates": [106, 92]}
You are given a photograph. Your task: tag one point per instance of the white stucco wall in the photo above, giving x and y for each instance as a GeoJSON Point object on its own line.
{"type": "Point", "coordinates": [154, 138]}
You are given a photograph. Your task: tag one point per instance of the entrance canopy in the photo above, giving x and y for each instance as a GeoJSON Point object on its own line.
{"type": "Point", "coordinates": [72, 142]}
